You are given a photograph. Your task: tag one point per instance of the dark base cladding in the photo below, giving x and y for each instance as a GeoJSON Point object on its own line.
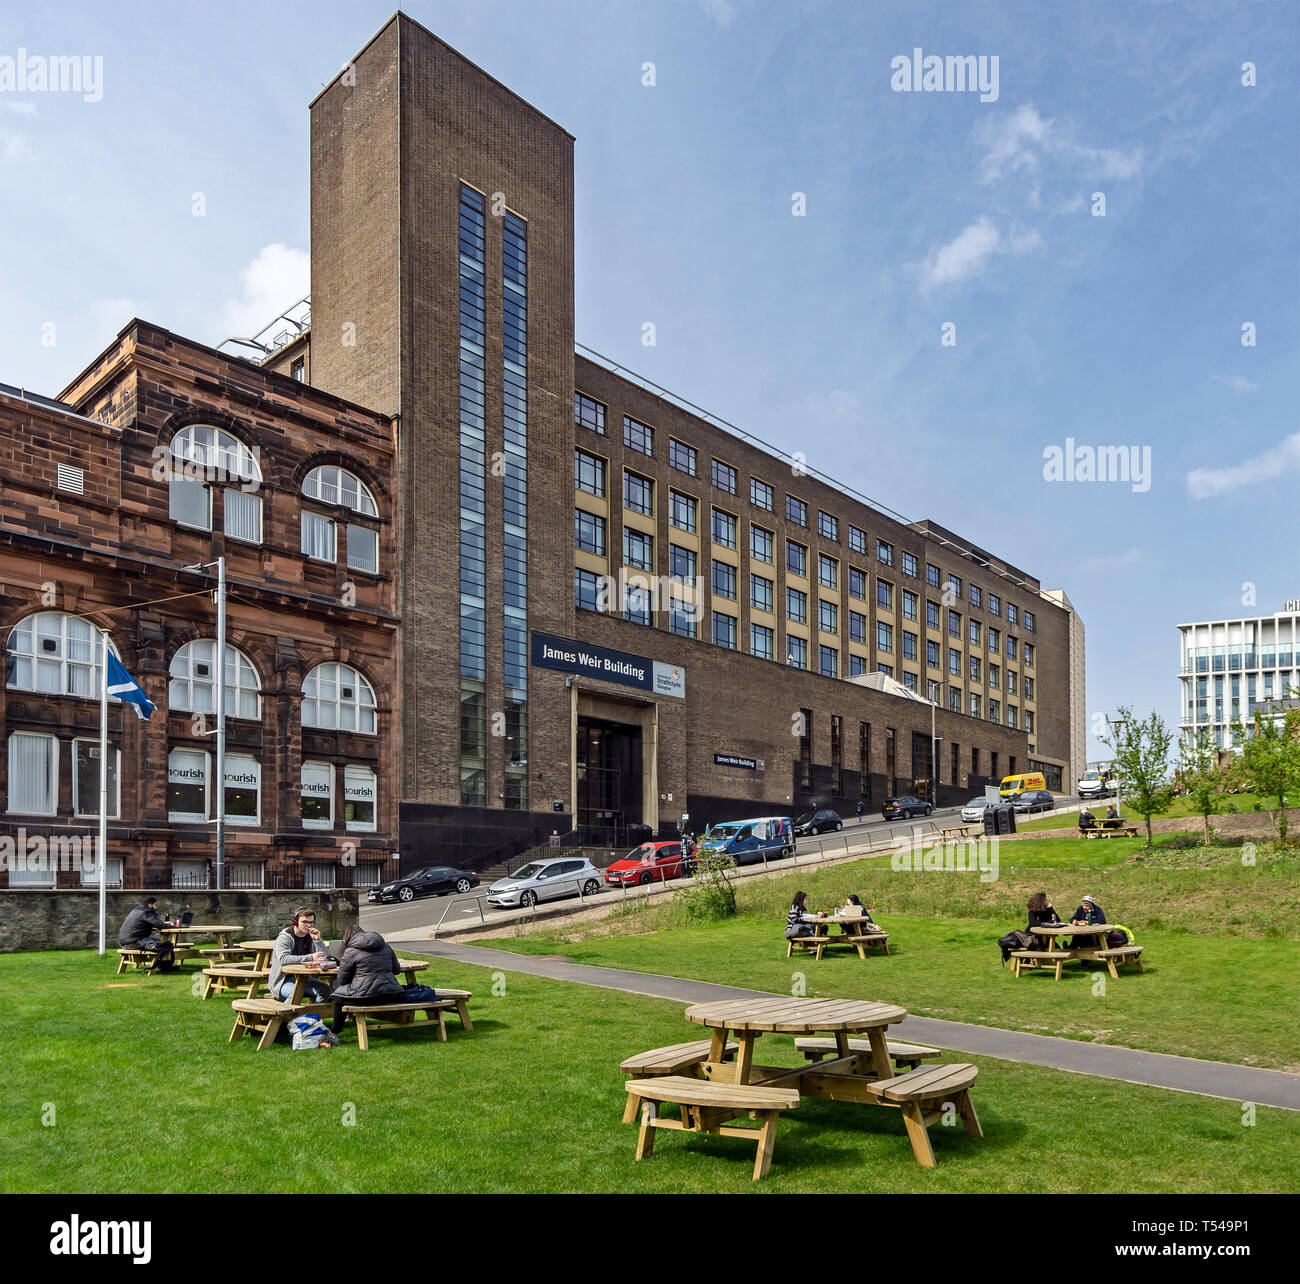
{"type": "Point", "coordinates": [470, 837]}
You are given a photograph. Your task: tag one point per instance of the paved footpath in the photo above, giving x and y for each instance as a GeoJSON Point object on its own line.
{"type": "Point", "coordinates": [1157, 1069]}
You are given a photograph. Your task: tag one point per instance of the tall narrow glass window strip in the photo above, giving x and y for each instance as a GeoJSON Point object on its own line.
{"type": "Point", "coordinates": [514, 309]}
{"type": "Point", "coordinates": [473, 485]}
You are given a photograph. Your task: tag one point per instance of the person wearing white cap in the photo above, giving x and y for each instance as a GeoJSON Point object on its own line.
{"type": "Point", "coordinates": [1088, 913]}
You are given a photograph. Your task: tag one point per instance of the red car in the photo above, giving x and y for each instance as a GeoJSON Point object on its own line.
{"type": "Point", "coordinates": [649, 863]}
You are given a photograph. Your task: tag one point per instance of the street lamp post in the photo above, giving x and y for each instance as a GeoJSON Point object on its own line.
{"type": "Point", "coordinates": [1117, 723]}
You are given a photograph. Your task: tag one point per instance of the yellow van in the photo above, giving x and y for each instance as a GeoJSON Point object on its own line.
{"type": "Point", "coordinates": [1014, 786]}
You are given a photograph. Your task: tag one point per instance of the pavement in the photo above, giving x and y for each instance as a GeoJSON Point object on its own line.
{"type": "Point", "coordinates": [1129, 1065]}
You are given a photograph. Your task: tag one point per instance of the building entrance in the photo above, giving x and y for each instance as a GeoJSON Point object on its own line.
{"type": "Point", "coordinates": [609, 776]}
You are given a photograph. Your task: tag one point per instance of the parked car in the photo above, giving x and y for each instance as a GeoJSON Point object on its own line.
{"type": "Point", "coordinates": [435, 880]}
{"type": "Point", "coordinates": [974, 810]}
{"type": "Point", "coordinates": [749, 841]}
{"type": "Point", "coordinates": [1034, 800]}
{"type": "Point", "coordinates": [817, 822]}
{"type": "Point", "coordinates": [545, 880]}
{"type": "Point", "coordinates": [906, 807]}
{"type": "Point", "coordinates": [1097, 782]}
{"type": "Point", "coordinates": [649, 863]}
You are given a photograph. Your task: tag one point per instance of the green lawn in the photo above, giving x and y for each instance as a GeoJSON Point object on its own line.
{"type": "Point", "coordinates": [1221, 958]}
{"type": "Point", "coordinates": [147, 1096]}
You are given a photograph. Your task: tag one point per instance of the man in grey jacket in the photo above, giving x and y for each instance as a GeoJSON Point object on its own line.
{"type": "Point", "coordinates": [300, 942]}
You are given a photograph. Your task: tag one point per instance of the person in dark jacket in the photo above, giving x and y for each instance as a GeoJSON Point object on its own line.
{"type": "Point", "coordinates": [367, 973]}
{"type": "Point", "coordinates": [1088, 912]}
{"type": "Point", "coordinates": [1041, 911]}
{"type": "Point", "coordinates": [140, 931]}
{"type": "Point", "coordinates": [1087, 820]}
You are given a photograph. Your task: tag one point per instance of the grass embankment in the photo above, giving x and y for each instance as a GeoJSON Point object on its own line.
{"type": "Point", "coordinates": [1180, 808]}
{"type": "Point", "coordinates": [139, 1091]}
{"type": "Point", "coordinates": [1221, 945]}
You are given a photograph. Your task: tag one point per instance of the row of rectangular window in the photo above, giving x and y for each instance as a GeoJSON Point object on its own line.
{"type": "Point", "coordinates": [638, 436]}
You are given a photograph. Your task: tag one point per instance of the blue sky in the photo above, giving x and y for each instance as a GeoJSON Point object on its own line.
{"type": "Point", "coordinates": [819, 332]}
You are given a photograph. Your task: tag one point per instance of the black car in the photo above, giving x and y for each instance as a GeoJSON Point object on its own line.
{"type": "Point", "coordinates": [817, 822]}
{"type": "Point", "coordinates": [436, 880]}
{"type": "Point", "coordinates": [906, 807]}
{"type": "Point", "coordinates": [1035, 800]}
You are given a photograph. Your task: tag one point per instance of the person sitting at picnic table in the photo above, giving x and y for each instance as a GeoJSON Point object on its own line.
{"type": "Point", "coordinates": [1088, 912]}
{"type": "Point", "coordinates": [1087, 820]}
{"type": "Point", "coordinates": [367, 973]}
{"type": "Point", "coordinates": [139, 930]}
{"type": "Point", "coordinates": [1041, 911]}
{"type": "Point", "coordinates": [1113, 819]}
{"type": "Point", "coordinates": [854, 908]}
{"type": "Point", "coordinates": [300, 942]}
{"type": "Point", "coordinates": [799, 921]}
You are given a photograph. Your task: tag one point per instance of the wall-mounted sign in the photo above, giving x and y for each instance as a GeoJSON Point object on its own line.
{"type": "Point", "coordinates": [735, 760]}
{"type": "Point", "coordinates": [585, 660]}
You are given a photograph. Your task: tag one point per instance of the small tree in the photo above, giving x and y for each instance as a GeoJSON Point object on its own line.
{"type": "Point", "coordinates": [1141, 752]}
{"type": "Point", "coordinates": [1200, 775]}
{"type": "Point", "coordinates": [1269, 764]}
{"type": "Point", "coordinates": [712, 897]}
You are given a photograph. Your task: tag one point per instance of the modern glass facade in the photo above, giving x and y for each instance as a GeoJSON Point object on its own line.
{"type": "Point", "coordinates": [473, 485]}
{"type": "Point", "coordinates": [514, 305]}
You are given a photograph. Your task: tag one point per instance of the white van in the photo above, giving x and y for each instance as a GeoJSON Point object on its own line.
{"type": "Point", "coordinates": [1096, 782]}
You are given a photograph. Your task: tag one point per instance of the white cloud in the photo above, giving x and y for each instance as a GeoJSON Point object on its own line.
{"type": "Point", "coordinates": [1207, 483]}
{"type": "Point", "coordinates": [22, 109]}
{"type": "Point", "coordinates": [275, 279]}
{"type": "Point", "coordinates": [14, 148]}
{"type": "Point", "coordinates": [1022, 139]}
{"type": "Point", "coordinates": [721, 11]}
{"type": "Point", "coordinates": [1237, 383]}
{"type": "Point", "coordinates": [969, 251]}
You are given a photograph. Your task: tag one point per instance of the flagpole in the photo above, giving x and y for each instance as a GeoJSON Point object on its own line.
{"type": "Point", "coordinates": [103, 790]}
{"type": "Point", "coordinates": [221, 723]}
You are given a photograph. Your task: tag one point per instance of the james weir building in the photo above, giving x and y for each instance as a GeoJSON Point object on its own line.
{"type": "Point", "coordinates": [446, 492]}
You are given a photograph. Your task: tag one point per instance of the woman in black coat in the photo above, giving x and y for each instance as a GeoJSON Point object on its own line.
{"type": "Point", "coordinates": [367, 973]}
{"type": "Point", "coordinates": [1041, 910]}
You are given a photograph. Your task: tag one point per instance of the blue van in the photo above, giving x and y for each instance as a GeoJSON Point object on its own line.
{"type": "Point", "coordinates": [749, 841]}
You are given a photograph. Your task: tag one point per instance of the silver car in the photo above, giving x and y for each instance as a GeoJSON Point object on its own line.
{"type": "Point", "coordinates": [545, 880]}
{"type": "Point", "coordinates": [974, 810]}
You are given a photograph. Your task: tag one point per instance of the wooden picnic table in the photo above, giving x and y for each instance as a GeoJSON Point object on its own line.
{"type": "Point", "coordinates": [261, 952]}
{"type": "Point", "coordinates": [1110, 831]}
{"type": "Point", "coordinates": [962, 831]}
{"type": "Point", "coordinates": [747, 1019]}
{"type": "Point", "coordinates": [301, 974]}
{"type": "Point", "coordinates": [222, 931]}
{"type": "Point", "coordinates": [856, 930]}
{"type": "Point", "coordinates": [1053, 930]}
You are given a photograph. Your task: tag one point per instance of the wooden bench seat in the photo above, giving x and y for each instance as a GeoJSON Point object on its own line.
{"type": "Point", "coordinates": [383, 1015]}
{"type": "Point", "coordinates": [220, 979]}
{"type": "Point", "coordinates": [1123, 831]}
{"type": "Point", "coordinates": [268, 1017]}
{"type": "Point", "coordinates": [1119, 955]}
{"type": "Point", "coordinates": [904, 1054]}
{"type": "Point", "coordinates": [921, 1094]}
{"type": "Point", "coordinates": [461, 1000]}
{"type": "Point", "coordinates": [131, 956]}
{"type": "Point", "coordinates": [676, 1059]}
{"type": "Point", "coordinates": [1023, 960]}
{"type": "Point", "coordinates": [706, 1107]}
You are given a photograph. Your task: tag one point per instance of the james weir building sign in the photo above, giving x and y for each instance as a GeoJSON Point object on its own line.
{"type": "Point", "coordinates": [584, 660]}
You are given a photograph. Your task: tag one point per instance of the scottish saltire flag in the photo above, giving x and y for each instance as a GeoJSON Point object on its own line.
{"type": "Point", "coordinates": [124, 687]}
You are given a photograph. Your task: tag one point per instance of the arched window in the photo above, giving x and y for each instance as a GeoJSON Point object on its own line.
{"type": "Point", "coordinates": [336, 697]}
{"type": "Point", "coordinates": [330, 484]}
{"type": "Point", "coordinates": [333, 485]}
{"type": "Point", "coordinates": [203, 457]}
{"type": "Point", "coordinates": [55, 653]}
{"type": "Point", "coordinates": [192, 688]}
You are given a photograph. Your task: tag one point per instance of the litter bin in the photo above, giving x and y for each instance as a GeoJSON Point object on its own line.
{"type": "Point", "coordinates": [1000, 820]}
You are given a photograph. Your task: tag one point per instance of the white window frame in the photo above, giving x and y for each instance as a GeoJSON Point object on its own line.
{"type": "Point", "coordinates": [339, 675]}
{"type": "Point", "coordinates": [307, 514]}
{"type": "Point", "coordinates": [114, 873]}
{"type": "Point", "coordinates": [52, 772]}
{"type": "Point", "coordinates": [353, 541]}
{"type": "Point", "coordinates": [25, 645]}
{"type": "Point", "coordinates": [314, 872]}
{"type": "Point", "coordinates": [226, 510]}
{"type": "Point", "coordinates": [329, 484]}
{"type": "Point", "coordinates": [115, 781]}
{"type": "Point", "coordinates": [235, 875]}
{"type": "Point", "coordinates": [196, 864]}
{"type": "Point", "coordinates": [183, 681]}
{"type": "Point", "coordinates": [327, 768]}
{"type": "Point", "coordinates": [185, 817]}
{"type": "Point", "coordinates": [357, 826]}
{"type": "Point", "coordinates": [372, 876]}
{"type": "Point", "coordinates": [241, 762]}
